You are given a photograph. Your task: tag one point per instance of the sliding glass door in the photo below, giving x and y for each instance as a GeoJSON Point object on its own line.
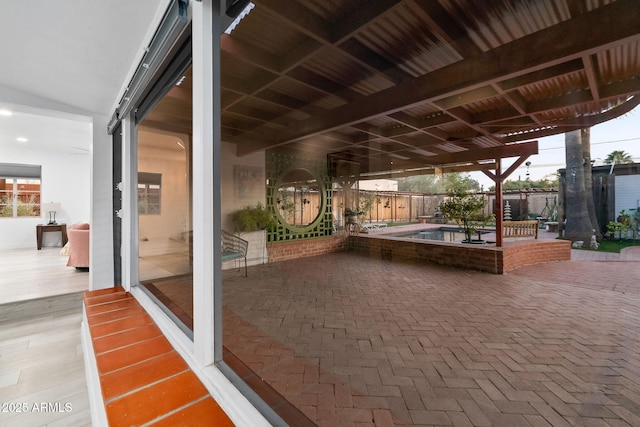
{"type": "Point", "coordinates": [164, 188]}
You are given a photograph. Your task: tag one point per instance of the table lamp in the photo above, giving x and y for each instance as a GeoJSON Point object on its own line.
{"type": "Point", "coordinates": [52, 208]}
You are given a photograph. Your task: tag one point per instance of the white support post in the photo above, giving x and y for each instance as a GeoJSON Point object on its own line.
{"type": "Point", "coordinates": [129, 203]}
{"type": "Point", "coordinates": [206, 180]}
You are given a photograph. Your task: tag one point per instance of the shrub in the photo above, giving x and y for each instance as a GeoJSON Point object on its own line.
{"type": "Point", "coordinates": [254, 218]}
{"type": "Point", "coordinates": [466, 210]}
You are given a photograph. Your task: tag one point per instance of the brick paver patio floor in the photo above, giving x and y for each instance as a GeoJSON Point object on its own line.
{"type": "Point", "coordinates": [353, 341]}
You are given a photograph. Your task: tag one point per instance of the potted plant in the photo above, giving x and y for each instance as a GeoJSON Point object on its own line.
{"type": "Point", "coordinates": [624, 223]}
{"type": "Point", "coordinates": [466, 210]}
{"type": "Point", "coordinates": [254, 218]}
{"type": "Point", "coordinates": [351, 215]}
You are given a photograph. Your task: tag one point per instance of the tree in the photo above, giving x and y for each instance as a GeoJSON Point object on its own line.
{"type": "Point", "coordinates": [466, 210]}
{"type": "Point", "coordinates": [579, 211]}
{"type": "Point", "coordinates": [419, 184]}
{"type": "Point", "coordinates": [618, 157]}
{"type": "Point", "coordinates": [438, 184]}
{"type": "Point", "coordinates": [585, 134]}
{"type": "Point", "coordinates": [548, 181]}
{"type": "Point", "coordinates": [459, 182]}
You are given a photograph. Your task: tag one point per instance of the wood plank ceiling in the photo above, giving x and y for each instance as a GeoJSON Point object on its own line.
{"type": "Point", "coordinates": [416, 84]}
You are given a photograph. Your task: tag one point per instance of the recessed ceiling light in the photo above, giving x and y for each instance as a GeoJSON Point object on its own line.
{"type": "Point", "coordinates": [5, 113]}
{"type": "Point", "coordinates": [21, 139]}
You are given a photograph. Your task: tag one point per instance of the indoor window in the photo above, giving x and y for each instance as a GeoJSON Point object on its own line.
{"type": "Point", "coordinates": [149, 186]}
{"type": "Point", "coordinates": [19, 190]}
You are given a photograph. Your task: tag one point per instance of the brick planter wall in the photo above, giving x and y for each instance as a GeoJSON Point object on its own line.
{"type": "Point", "coordinates": [283, 251]}
{"type": "Point", "coordinates": [525, 252]}
{"type": "Point", "coordinates": [474, 257]}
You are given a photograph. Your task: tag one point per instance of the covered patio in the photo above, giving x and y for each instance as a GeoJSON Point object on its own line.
{"type": "Point", "coordinates": [354, 341]}
{"type": "Point", "coordinates": [197, 122]}
{"type": "Point", "coordinates": [317, 96]}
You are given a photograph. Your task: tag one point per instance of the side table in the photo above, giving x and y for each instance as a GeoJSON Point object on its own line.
{"type": "Point", "coordinates": [44, 228]}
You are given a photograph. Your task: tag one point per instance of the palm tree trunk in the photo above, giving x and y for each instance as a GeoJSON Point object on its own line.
{"type": "Point", "coordinates": [585, 134]}
{"type": "Point", "coordinates": [579, 226]}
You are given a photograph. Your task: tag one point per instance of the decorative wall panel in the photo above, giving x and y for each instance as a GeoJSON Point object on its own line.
{"type": "Point", "coordinates": [280, 166]}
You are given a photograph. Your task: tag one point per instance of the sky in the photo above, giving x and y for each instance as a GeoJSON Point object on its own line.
{"type": "Point", "coordinates": [621, 134]}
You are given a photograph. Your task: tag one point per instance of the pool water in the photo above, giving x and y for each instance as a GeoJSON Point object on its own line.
{"type": "Point", "coordinates": [443, 234]}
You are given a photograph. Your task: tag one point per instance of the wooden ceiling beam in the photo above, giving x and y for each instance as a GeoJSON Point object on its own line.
{"type": "Point", "coordinates": [567, 99]}
{"type": "Point", "coordinates": [419, 141]}
{"type": "Point", "coordinates": [443, 25]}
{"type": "Point", "coordinates": [334, 32]}
{"type": "Point", "coordinates": [323, 84]}
{"type": "Point", "coordinates": [421, 124]}
{"type": "Point", "coordinates": [551, 72]}
{"type": "Point", "coordinates": [295, 57]}
{"type": "Point", "coordinates": [474, 129]}
{"type": "Point", "coordinates": [246, 53]}
{"type": "Point", "coordinates": [320, 33]}
{"type": "Point", "coordinates": [481, 70]}
{"type": "Point", "coordinates": [590, 67]}
{"type": "Point", "coordinates": [371, 60]}
{"type": "Point", "coordinates": [300, 18]}
{"type": "Point", "coordinates": [363, 13]}
{"type": "Point", "coordinates": [576, 7]}
{"type": "Point", "coordinates": [610, 91]}
{"type": "Point", "coordinates": [502, 152]}
{"type": "Point", "coordinates": [516, 100]}
{"type": "Point", "coordinates": [468, 97]}
{"type": "Point", "coordinates": [576, 123]}
{"type": "Point", "coordinates": [405, 119]}
{"type": "Point", "coordinates": [620, 88]}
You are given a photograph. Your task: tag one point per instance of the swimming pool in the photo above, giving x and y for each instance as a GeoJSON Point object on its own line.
{"type": "Point", "coordinates": [443, 234]}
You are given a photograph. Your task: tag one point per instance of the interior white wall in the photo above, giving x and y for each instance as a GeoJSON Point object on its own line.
{"type": "Point", "coordinates": [59, 170]}
{"type": "Point", "coordinates": [65, 179]}
{"type": "Point", "coordinates": [101, 206]}
{"type": "Point", "coordinates": [161, 154]}
{"type": "Point", "coordinates": [238, 193]}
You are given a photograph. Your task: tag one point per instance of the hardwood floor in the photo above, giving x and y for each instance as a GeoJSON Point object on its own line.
{"type": "Point", "coordinates": [26, 274]}
{"type": "Point", "coordinates": [42, 376]}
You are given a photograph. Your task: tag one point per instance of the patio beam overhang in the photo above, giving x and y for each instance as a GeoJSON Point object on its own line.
{"type": "Point", "coordinates": [499, 177]}
{"type": "Point", "coordinates": [475, 73]}
{"type": "Point", "coordinates": [473, 160]}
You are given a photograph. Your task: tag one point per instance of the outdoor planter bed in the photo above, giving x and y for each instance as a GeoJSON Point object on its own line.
{"type": "Point", "coordinates": [489, 258]}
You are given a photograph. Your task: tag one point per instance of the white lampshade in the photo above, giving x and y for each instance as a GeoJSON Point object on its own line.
{"type": "Point", "coordinates": [51, 207]}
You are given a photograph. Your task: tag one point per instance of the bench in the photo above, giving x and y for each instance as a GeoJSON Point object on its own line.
{"type": "Point", "coordinates": [520, 229]}
{"type": "Point", "coordinates": [234, 248]}
{"type": "Point", "coordinates": [367, 226]}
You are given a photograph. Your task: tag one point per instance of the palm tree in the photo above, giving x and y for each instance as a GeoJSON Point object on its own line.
{"type": "Point", "coordinates": [579, 208]}
{"type": "Point", "coordinates": [618, 157]}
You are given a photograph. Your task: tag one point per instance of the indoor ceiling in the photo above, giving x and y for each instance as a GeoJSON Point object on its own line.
{"type": "Point", "coordinates": [76, 53]}
{"type": "Point", "coordinates": [405, 84]}
{"type": "Point", "coordinates": [29, 129]}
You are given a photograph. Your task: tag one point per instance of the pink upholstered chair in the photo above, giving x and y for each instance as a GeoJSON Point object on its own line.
{"type": "Point", "coordinates": [78, 236]}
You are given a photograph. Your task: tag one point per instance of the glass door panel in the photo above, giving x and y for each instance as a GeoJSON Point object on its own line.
{"type": "Point", "coordinates": [165, 261]}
